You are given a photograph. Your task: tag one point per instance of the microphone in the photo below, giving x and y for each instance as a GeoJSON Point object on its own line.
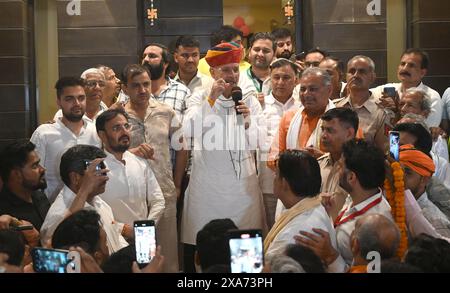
{"type": "Point", "coordinates": [236, 95]}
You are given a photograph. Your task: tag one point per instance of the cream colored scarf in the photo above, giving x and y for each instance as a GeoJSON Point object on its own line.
{"type": "Point", "coordinates": [299, 208]}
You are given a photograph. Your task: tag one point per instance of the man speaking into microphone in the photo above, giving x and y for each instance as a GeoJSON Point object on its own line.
{"type": "Point", "coordinates": [224, 123]}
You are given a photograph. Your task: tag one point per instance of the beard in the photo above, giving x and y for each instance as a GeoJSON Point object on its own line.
{"type": "Point", "coordinates": [73, 117]}
{"type": "Point", "coordinates": [117, 147]}
{"type": "Point", "coordinates": [42, 184]}
{"type": "Point", "coordinates": [156, 70]}
{"type": "Point", "coordinates": [285, 54]}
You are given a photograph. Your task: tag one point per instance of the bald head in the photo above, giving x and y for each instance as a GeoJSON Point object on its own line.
{"type": "Point", "coordinates": [377, 233]}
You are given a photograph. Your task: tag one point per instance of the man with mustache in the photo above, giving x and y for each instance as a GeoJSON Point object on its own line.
{"type": "Point", "coordinates": [132, 191]}
{"type": "Point", "coordinates": [157, 126]}
{"type": "Point", "coordinates": [301, 129]}
{"type": "Point", "coordinates": [24, 179]}
{"type": "Point", "coordinates": [112, 85]}
{"type": "Point", "coordinates": [373, 121]}
{"type": "Point", "coordinates": [223, 181]}
{"type": "Point", "coordinates": [412, 69]}
{"type": "Point", "coordinates": [83, 186]}
{"type": "Point", "coordinates": [156, 58]}
{"type": "Point", "coordinates": [52, 140]}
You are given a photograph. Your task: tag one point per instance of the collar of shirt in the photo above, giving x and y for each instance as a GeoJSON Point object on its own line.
{"type": "Point", "coordinates": [369, 104]}
{"type": "Point", "coordinates": [198, 75]}
{"type": "Point", "coordinates": [326, 159]}
{"type": "Point", "coordinates": [270, 100]}
{"type": "Point", "coordinates": [362, 205]}
{"type": "Point", "coordinates": [125, 156]}
{"type": "Point", "coordinates": [63, 126]}
{"type": "Point", "coordinates": [423, 198]}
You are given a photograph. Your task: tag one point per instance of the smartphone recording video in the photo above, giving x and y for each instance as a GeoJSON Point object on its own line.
{"type": "Point", "coordinates": [50, 260]}
{"type": "Point", "coordinates": [246, 251]}
{"type": "Point", "coordinates": [99, 167]}
{"type": "Point", "coordinates": [394, 144]}
{"type": "Point", "coordinates": [390, 91]}
{"type": "Point", "coordinates": [145, 241]}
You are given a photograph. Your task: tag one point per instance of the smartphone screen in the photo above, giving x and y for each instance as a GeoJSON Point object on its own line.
{"type": "Point", "coordinates": [394, 144]}
{"type": "Point", "coordinates": [390, 91]}
{"type": "Point", "coordinates": [246, 251]}
{"type": "Point", "coordinates": [49, 260]}
{"type": "Point", "coordinates": [145, 241]}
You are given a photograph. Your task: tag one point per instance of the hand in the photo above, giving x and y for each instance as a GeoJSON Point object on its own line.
{"type": "Point", "coordinates": [127, 231]}
{"type": "Point", "coordinates": [155, 265]}
{"type": "Point", "coordinates": [93, 180]}
{"type": "Point", "coordinates": [118, 106]}
{"type": "Point", "coordinates": [328, 202]}
{"type": "Point", "coordinates": [436, 132]}
{"type": "Point", "coordinates": [144, 150]}
{"type": "Point", "coordinates": [390, 103]}
{"type": "Point", "coordinates": [88, 264]}
{"type": "Point", "coordinates": [316, 153]}
{"type": "Point", "coordinates": [243, 109]}
{"type": "Point", "coordinates": [7, 220]}
{"type": "Point", "coordinates": [218, 88]}
{"type": "Point", "coordinates": [32, 237]}
{"type": "Point", "coordinates": [320, 244]}
{"type": "Point", "coordinates": [300, 65]}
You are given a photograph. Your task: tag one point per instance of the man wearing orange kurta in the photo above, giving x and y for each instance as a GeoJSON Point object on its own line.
{"type": "Point", "coordinates": [300, 129]}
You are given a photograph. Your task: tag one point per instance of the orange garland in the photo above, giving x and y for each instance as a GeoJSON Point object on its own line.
{"type": "Point", "coordinates": [397, 203]}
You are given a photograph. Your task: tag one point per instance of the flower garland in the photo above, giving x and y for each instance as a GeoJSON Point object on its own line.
{"type": "Point", "coordinates": [397, 202]}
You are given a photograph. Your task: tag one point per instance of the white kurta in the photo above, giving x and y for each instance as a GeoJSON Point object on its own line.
{"type": "Point", "coordinates": [60, 209]}
{"type": "Point", "coordinates": [132, 191]}
{"type": "Point", "coordinates": [313, 218]}
{"type": "Point", "coordinates": [51, 141]}
{"type": "Point", "coordinates": [216, 190]}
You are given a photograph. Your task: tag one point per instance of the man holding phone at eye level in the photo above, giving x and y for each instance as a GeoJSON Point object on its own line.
{"type": "Point", "coordinates": [133, 193]}
{"type": "Point", "coordinates": [52, 140]}
{"type": "Point", "coordinates": [412, 69]}
{"type": "Point", "coordinates": [83, 188]}
{"type": "Point", "coordinates": [23, 205]}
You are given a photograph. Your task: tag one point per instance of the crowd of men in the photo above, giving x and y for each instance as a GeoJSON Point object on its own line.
{"type": "Point", "coordinates": [294, 145]}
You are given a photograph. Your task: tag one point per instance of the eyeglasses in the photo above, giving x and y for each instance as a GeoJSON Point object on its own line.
{"type": "Point", "coordinates": [94, 83]}
{"type": "Point", "coordinates": [118, 127]}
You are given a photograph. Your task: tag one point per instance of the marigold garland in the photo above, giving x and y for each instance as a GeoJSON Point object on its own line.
{"type": "Point", "coordinates": [397, 202]}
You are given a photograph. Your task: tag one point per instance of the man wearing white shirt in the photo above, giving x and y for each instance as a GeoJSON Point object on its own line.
{"type": "Point", "coordinates": [187, 56]}
{"type": "Point", "coordinates": [411, 70]}
{"type": "Point", "coordinates": [283, 77]}
{"type": "Point", "coordinates": [132, 191]}
{"type": "Point", "coordinates": [297, 185]}
{"type": "Point", "coordinates": [82, 187]}
{"type": "Point", "coordinates": [94, 86]}
{"type": "Point", "coordinates": [52, 140]}
{"type": "Point", "coordinates": [362, 174]}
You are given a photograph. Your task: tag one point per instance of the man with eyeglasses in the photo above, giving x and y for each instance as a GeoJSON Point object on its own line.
{"type": "Point", "coordinates": [70, 129]}
{"type": "Point", "coordinates": [187, 56]}
{"type": "Point", "coordinates": [94, 86]}
{"type": "Point", "coordinates": [132, 191]}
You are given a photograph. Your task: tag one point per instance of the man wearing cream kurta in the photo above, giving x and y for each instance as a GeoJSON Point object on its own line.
{"type": "Point", "coordinates": [223, 181]}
